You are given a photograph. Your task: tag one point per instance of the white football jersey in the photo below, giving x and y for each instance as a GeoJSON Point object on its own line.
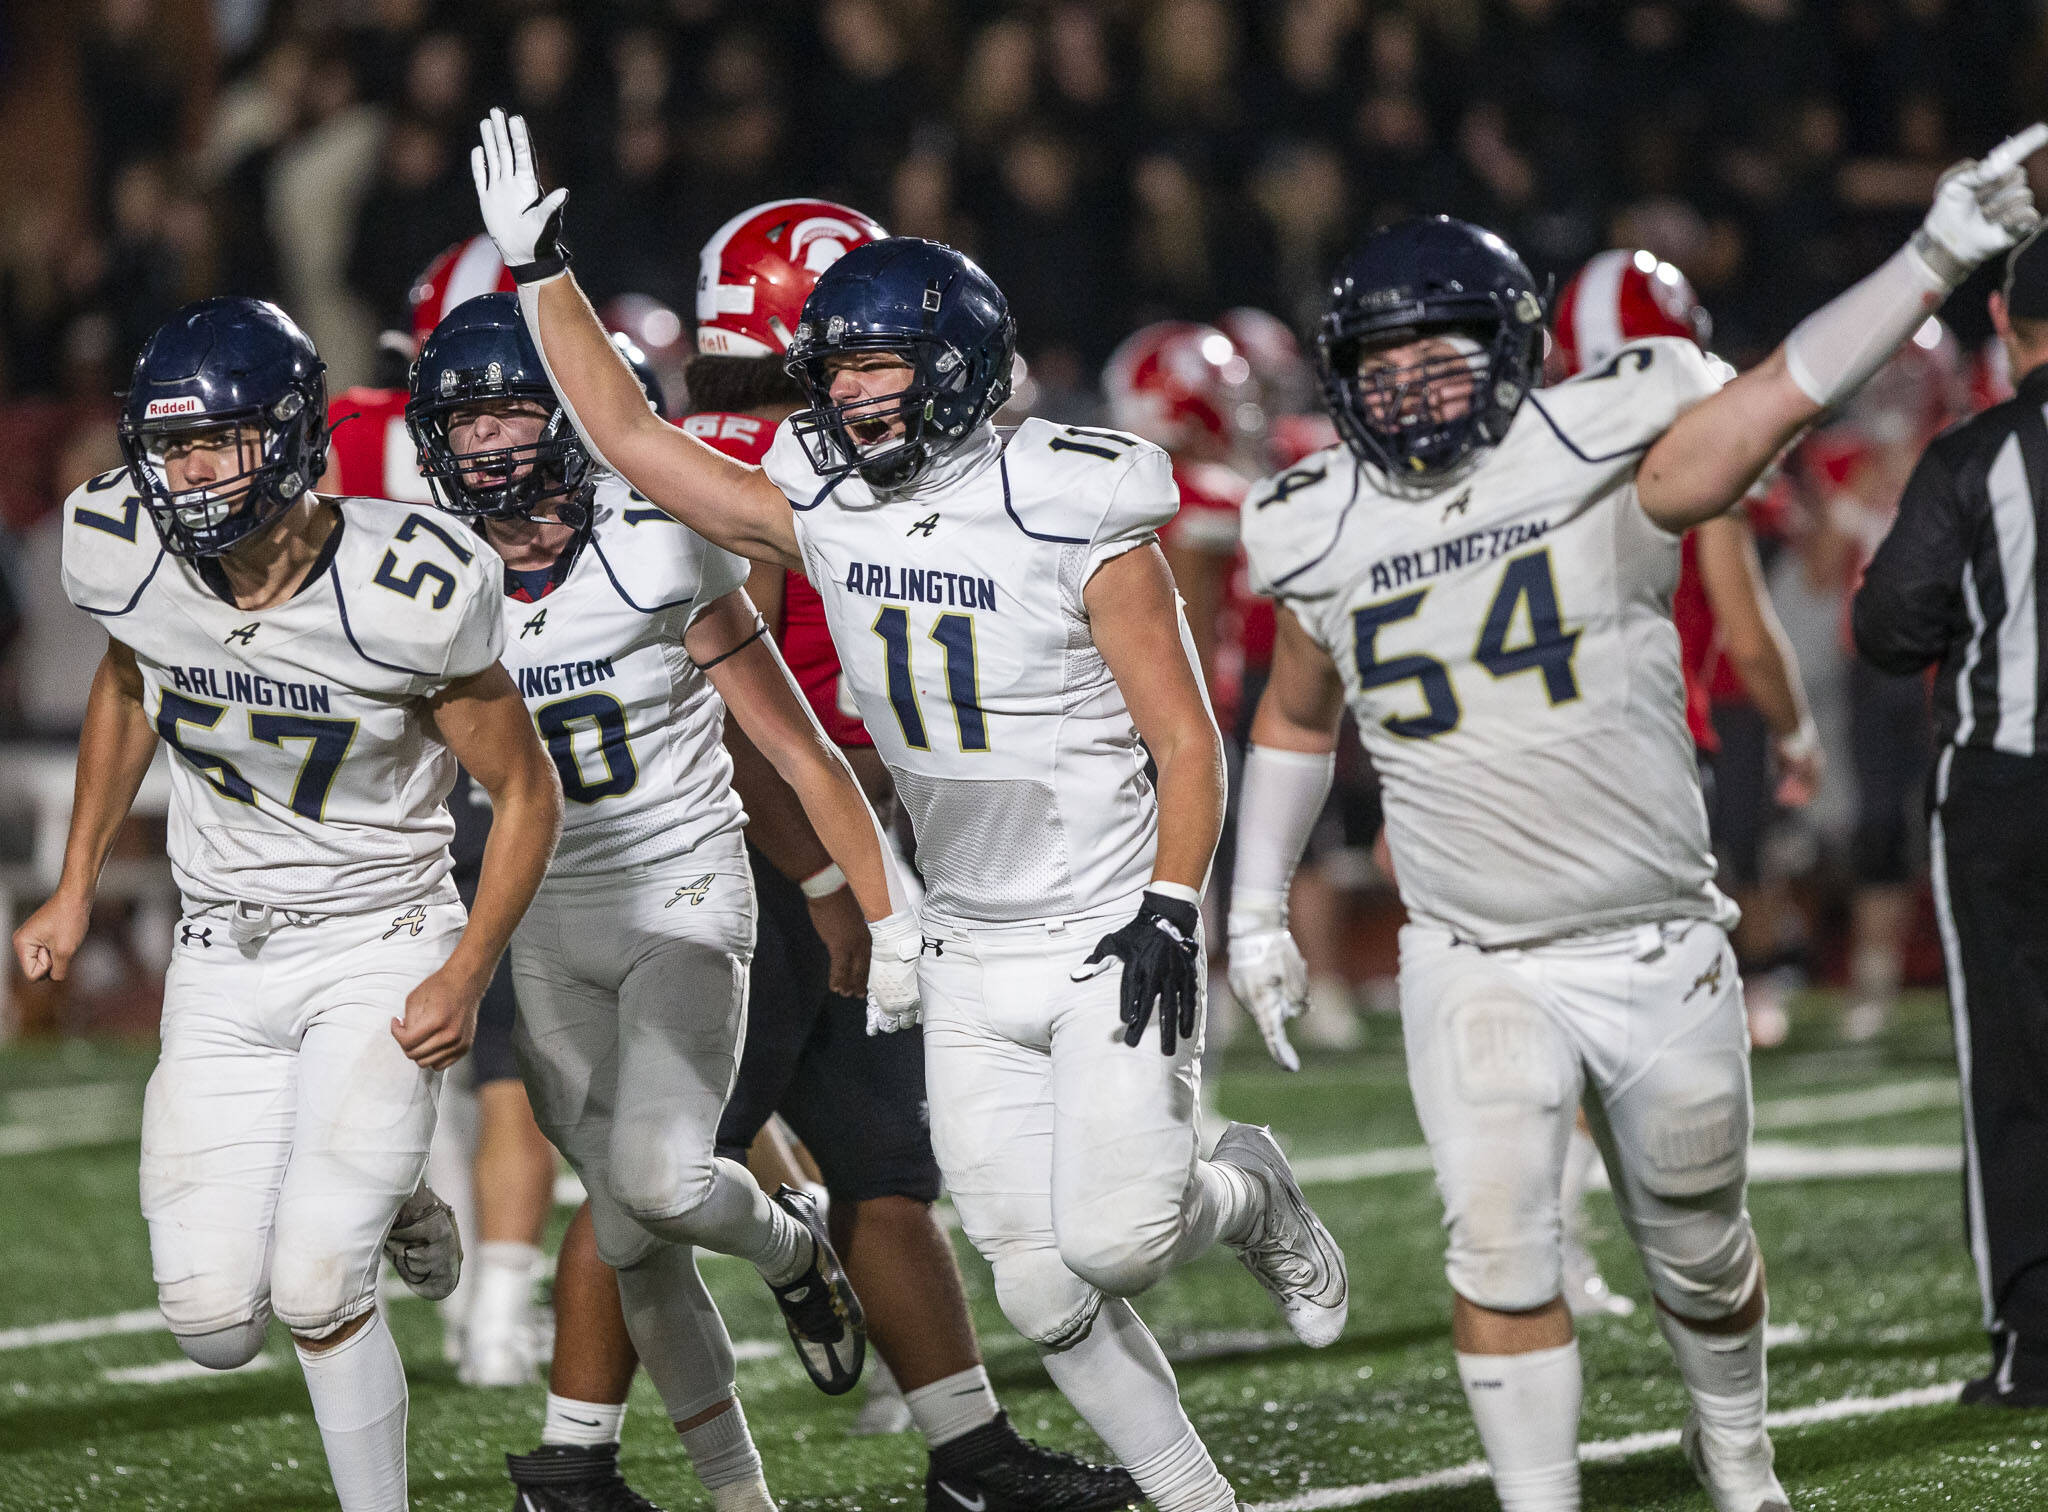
{"type": "Point", "coordinates": [634, 728]}
{"type": "Point", "coordinates": [308, 778]}
{"type": "Point", "coordinates": [956, 607]}
{"type": "Point", "coordinates": [1508, 654]}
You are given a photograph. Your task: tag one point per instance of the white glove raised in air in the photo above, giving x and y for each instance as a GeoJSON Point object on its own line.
{"type": "Point", "coordinates": [1982, 207]}
{"type": "Point", "coordinates": [521, 221]}
{"type": "Point", "coordinates": [1268, 975]}
{"type": "Point", "coordinates": [892, 973]}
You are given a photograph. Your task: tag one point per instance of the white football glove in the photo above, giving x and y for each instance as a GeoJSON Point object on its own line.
{"type": "Point", "coordinates": [424, 1246]}
{"type": "Point", "coordinates": [1269, 977]}
{"type": "Point", "coordinates": [521, 221]}
{"type": "Point", "coordinates": [1981, 207]}
{"type": "Point", "coordinates": [892, 973]}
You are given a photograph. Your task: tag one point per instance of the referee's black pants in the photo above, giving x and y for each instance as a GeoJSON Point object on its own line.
{"type": "Point", "coordinates": [1990, 843]}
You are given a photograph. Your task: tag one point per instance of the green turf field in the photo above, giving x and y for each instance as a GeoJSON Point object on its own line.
{"type": "Point", "coordinates": [1873, 1299]}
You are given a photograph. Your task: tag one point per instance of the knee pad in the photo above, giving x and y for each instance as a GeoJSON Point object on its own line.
{"type": "Point", "coordinates": [1503, 1094]}
{"type": "Point", "coordinates": [1124, 1262]}
{"type": "Point", "coordinates": [1683, 1144]}
{"type": "Point", "coordinates": [653, 1174]}
{"type": "Point", "coordinates": [226, 1348]}
{"type": "Point", "coordinates": [1702, 1266]}
{"type": "Point", "coordinates": [621, 1242]}
{"type": "Point", "coordinates": [1044, 1300]}
{"type": "Point", "coordinates": [314, 1293]}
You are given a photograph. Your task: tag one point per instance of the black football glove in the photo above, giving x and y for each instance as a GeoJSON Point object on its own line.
{"type": "Point", "coordinates": [1162, 964]}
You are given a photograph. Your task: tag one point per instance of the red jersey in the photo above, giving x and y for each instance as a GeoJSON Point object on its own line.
{"type": "Point", "coordinates": [1211, 496]}
{"type": "Point", "coordinates": [806, 643]}
{"type": "Point", "coordinates": [1698, 649]}
{"type": "Point", "coordinates": [373, 452]}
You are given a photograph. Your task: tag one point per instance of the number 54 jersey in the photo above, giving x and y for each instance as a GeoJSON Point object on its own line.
{"type": "Point", "coordinates": [307, 776]}
{"type": "Point", "coordinates": [1509, 658]}
{"type": "Point", "coordinates": [956, 606]}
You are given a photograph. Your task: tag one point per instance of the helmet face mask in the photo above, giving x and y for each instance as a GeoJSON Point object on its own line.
{"type": "Point", "coordinates": [235, 372]}
{"type": "Point", "coordinates": [933, 310]}
{"type": "Point", "coordinates": [480, 358]}
{"type": "Point", "coordinates": [1426, 422]}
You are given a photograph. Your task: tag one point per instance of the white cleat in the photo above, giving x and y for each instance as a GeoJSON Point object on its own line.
{"type": "Point", "coordinates": [1737, 1479]}
{"type": "Point", "coordinates": [502, 1357]}
{"type": "Point", "coordinates": [1290, 1251]}
{"type": "Point", "coordinates": [883, 1410]}
{"type": "Point", "coordinates": [1586, 1291]}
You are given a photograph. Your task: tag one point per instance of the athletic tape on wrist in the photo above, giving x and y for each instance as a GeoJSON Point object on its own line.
{"type": "Point", "coordinates": [823, 883]}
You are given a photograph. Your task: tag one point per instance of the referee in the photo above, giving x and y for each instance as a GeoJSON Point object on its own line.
{"type": "Point", "coordinates": [1957, 584]}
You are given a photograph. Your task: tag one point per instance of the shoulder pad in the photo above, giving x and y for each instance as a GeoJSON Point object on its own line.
{"type": "Point", "coordinates": [110, 547]}
{"type": "Point", "coordinates": [789, 469]}
{"type": "Point", "coordinates": [654, 561]}
{"type": "Point", "coordinates": [1618, 409]}
{"type": "Point", "coordinates": [1085, 483]}
{"type": "Point", "coordinates": [1292, 519]}
{"type": "Point", "coordinates": [420, 592]}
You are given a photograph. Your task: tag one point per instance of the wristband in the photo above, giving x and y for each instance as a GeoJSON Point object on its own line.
{"type": "Point", "coordinates": [541, 269]}
{"type": "Point", "coordinates": [823, 883]}
{"type": "Point", "coordinates": [1178, 890]}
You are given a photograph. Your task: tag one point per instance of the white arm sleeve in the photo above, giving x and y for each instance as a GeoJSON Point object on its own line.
{"type": "Point", "coordinates": [529, 306]}
{"type": "Point", "coordinates": [1283, 796]}
{"type": "Point", "coordinates": [1835, 349]}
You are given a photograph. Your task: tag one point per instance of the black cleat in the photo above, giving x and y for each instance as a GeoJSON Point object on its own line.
{"type": "Point", "coordinates": [1989, 1391]}
{"type": "Point", "coordinates": [823, 1315]}
{"type": "Point", "coordinates": [572, 1478]}
{"type": "Point", "coordinates": [997, 1469]}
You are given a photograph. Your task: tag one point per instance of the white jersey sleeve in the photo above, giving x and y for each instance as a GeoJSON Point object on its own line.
{"type": "Point", "coordinates": [1141, 504]}
{"type": "Point", "coordinates": [1617, 411]}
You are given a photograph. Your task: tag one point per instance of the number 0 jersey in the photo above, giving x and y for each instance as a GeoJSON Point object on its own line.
{"type": "Point", "coordinates": [1508, 655]}
{"type": "Point", "coordinates": [957, 609]}
{"type": "Point", "coordinates": [633, 727]}
{"type": "Point", "coordinates": [306, 775]}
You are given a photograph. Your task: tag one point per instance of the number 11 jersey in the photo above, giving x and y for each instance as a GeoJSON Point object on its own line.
{"type": "Point", "coordinates": [956, 606]}
{"type": "Point", "coordinates": [1509, 658]}
{"type": "Point", "coordinates": [305, 774]}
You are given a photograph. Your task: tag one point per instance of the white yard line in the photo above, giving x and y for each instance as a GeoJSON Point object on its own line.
{"type": "Point", "coordinates": [164, 1372]}
{"type": "Point", "coordinates": [1604, 1450]}
{"type": "Point", "coordinates": [140, 1320]}
{"type": "Point", "coordinates": [1769, 1160]}
{"type": "Point", "coordinates": [1819, 1108]}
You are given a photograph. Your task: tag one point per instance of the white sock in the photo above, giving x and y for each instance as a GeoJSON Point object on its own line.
{"type": "Point", "coordinates": [722, 1453]}
{"type": "Point", "coordinates": [1725, 1376]}
{"type": "Point", "coordinates": [503, 1299]}
{"type": "Point", "coordinates": [1527, 1409]}
{"type": "Point", "coordinates": [358, 1392]}
{"type": "Point", "coordinates": [1230, 1204]}
{"type": "Point", "coordinates": [949, 1408]}
{"type": "Point", "coordinates": [586, 1424]}
{"type": "Point", "coordinates": [1116, 1376]}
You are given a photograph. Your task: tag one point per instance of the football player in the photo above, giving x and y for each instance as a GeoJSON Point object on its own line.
{"type": "Point", "coordinates": [1485, 574]}
{"type": "Point", "coordinates": [1008, 629]}
{"type": "Point", "coordinates": [1723, 614]}
{"type": "Point", "coordinates": [628, 636]}
{"type": "Point", "coordinates": [317, 666]}
{"type": "Point", "coordinates": [489, 1160]}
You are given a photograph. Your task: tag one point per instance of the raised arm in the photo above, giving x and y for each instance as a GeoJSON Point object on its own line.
{"type": "Point", "coordinates": [484, 722]}
{"type": "Point", "coordinates": [114, 751]}
{"type": "Point", "coordinates": [730, 643]}
{"type": "Point", "coordinates": [1714, 451]}
{"type": "Point", "coordinates": [726, 502]}
{"type": "Point", "coordinates": [1287, 775]}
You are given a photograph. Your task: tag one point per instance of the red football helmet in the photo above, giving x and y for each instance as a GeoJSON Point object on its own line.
{"type": "Point", "coordinates": [1179, 384]}
{"type": "Point", "coordinates": [467, 269]}
{"type": "Point", "coordinates": [757, 271]}
{"type": "Point", "coordinates": [1619, 297]}
{"type": "Point", "coordinates": [1286, 381]}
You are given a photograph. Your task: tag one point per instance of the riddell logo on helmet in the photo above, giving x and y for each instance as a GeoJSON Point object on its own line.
{"type": "Point", "coordinates": [157, 408]}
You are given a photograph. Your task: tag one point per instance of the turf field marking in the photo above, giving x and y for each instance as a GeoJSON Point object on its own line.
{"type": "Point", "coordinates": [61, 1118]}
{"type": "Point", "coordinates": [1602, 1451]}
{"type": "Point", "coordinates": [163, 1372]}
{"type": "Point", "coordinates": [70, 1331]}
{"type": "Point", "coordinates": [1858, 1104]}
{"type": "Point", "coordinates": [1769, 1160]}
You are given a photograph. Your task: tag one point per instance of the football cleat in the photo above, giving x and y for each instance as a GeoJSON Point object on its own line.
{"type": "Point", "coordinates": [1586, 1291]}
{"type": "Point", "coordinates": [1738, 1480]}
{"type": "Point", "coordinates": [572, 1478]}
{"type": "Point", "coordinates": [1290, 1251]}
{"type": "Point", "coordinates": [996, 1469]}
{"type": "Point", "coordinates": [424, 1245]}
{"type": "Point", "coordinates": [1991, 1391]}
{"type": "Point", "coordinates": [883, 1410]}
{"type": "Point", "coordinates": [819, 1307]}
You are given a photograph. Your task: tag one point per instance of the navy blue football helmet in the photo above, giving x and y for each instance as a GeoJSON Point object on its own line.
{"type": "Point", "coordinates": [217, 364]}
{"type": "Point", "coordinates": [933, 307]}
{"type": "Point", "coordinates": [480, 354]}
{"type": "Point", "coordinates": [1423, 277]}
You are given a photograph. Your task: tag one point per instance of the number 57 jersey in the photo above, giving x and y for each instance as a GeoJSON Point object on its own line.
{"type": "Point", "coordinates": [957, 610]}
{"type": "Point", "coordinates": [1508, 655]}
{"type": "Point", "coordinates": [307, 776]}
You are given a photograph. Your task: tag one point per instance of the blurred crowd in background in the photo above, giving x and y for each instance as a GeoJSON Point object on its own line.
{"type": "Point", "coordinates": [1110, 163]}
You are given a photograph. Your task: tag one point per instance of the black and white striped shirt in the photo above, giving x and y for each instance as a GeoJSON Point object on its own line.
{"type": "Point", "coordinates": [1958, 580]}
